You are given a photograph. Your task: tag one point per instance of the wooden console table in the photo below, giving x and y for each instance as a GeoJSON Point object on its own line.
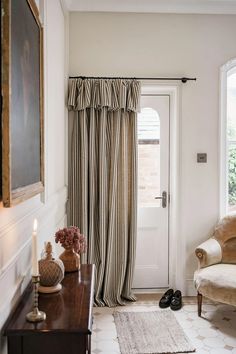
{"type": "Point", "coordinates": [68, 326]}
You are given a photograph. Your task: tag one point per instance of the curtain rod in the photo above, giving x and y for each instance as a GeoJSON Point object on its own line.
{"type": "Point", "coordinates": [183, 79]}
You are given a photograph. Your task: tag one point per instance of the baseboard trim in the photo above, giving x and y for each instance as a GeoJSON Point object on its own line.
{"type": "Point", "coordinates": [149, 291]}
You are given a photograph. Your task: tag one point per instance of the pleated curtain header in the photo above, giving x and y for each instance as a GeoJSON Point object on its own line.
{"type": "Point", "coordinates": [115, 94]}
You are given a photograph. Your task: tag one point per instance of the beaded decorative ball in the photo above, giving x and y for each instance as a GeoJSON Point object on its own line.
{"type": "Point", "coordinates": [51, 272]}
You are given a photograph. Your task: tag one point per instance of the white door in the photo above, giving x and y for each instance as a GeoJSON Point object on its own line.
{"type": "Point", "coordinates": [152, 260]}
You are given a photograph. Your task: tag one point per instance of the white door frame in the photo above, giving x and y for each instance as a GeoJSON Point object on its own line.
{"type": "Point", "coordinates": [223, 172]}
{"type": "Point", "coordinates": [176, 241]}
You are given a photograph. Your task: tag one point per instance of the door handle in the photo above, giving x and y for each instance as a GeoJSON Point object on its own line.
{"type": "Point", "coordinates": [163, 199]}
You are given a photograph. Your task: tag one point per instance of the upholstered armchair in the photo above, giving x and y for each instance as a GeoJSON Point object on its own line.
{"type": "Point", "coordinates": [216, 274]}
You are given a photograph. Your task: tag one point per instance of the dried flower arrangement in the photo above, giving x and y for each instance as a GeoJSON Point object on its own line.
{"type": "Point", "coordinates": [70, 237]}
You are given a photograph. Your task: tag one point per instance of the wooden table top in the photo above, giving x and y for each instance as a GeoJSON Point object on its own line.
{"type": "Point", "coordinates": [69, 310]}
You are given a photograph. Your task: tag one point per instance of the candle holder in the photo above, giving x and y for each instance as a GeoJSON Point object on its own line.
{"type": "Point", "coordinates": [35, 315]}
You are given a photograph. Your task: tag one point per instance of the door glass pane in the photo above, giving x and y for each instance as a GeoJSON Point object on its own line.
{"type": "Point", "coordinates": [148, 157]}
{"type": "Point", "coordinates": [231, 137]}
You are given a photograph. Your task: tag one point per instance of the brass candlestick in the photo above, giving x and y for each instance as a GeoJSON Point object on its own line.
{"type": "Point", "coordinates": [35, 315]}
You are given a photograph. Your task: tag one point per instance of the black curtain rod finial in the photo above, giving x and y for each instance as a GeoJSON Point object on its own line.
{"type": "Point", "coordinates": [185, 79]}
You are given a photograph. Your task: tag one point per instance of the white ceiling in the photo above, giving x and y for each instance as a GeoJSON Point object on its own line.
{"type": "Point", "coordinates": [154, 6]}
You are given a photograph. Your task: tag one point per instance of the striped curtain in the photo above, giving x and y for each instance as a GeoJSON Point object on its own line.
{"type": "Point", "coordinates": [103, 180]}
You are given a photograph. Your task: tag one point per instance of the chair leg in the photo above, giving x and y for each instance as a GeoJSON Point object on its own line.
{"type": "Point", "coordinates": [199, 304]}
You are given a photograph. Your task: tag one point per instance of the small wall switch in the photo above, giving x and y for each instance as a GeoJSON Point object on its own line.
{"type": "Point", "coordinates": [202, 157]}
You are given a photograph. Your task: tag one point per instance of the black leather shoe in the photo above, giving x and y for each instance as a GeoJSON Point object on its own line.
{"type": "Point", "coordinates": [166, 299]}
{"type": "Point", "coordinates": [176, 301]}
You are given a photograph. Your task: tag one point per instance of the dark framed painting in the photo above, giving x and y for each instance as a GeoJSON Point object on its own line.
{"type": "Point", "coordinates": [22, 104]}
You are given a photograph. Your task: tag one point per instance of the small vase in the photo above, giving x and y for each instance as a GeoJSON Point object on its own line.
{"type": "Point", "coordinates": [70, 259]}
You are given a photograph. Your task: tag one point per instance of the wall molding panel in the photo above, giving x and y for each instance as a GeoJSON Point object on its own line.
{"type": "Point", "coordinates": [54, 210]}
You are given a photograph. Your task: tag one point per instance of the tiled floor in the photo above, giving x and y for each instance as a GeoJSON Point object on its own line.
{"type": "Point", "coordinates": [214, 333]}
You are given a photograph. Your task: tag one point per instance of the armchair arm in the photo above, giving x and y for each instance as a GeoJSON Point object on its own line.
{"type": "Point", "coordinates": [208, 253]}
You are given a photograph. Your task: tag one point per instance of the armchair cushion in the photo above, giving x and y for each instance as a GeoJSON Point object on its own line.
{"type": "Point", "coordinates": [217, 282]}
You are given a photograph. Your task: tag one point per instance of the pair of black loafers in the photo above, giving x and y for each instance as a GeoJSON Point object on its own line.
{"type": "Point", "coordinates": [172, 299]}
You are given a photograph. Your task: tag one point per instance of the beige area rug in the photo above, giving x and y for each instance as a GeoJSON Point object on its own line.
{"type": "Point", "coordinates": [153, 332]}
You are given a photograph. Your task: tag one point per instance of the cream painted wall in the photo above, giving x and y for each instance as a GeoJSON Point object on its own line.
{"type": "Point", "coordinates": [169, 45]}
{"type": "Point", "coordinates": [16, 223]}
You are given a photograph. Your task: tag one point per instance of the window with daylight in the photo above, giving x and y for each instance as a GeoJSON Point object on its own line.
{"type": "Point", "coordinates": [148, 157]}
{"type": "Point", "coordinates": [231, 139]}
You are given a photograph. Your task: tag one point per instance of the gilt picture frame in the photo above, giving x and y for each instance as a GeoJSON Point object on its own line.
{"type": "Point", "coordinates": [22, 101]}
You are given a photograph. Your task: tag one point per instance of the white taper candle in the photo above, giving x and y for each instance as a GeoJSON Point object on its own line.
{"type": "Point", "coordinates": [35, 266]}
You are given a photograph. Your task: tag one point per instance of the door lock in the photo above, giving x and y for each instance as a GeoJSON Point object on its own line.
{"type": "Point", "coordinates": [163, 199]}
